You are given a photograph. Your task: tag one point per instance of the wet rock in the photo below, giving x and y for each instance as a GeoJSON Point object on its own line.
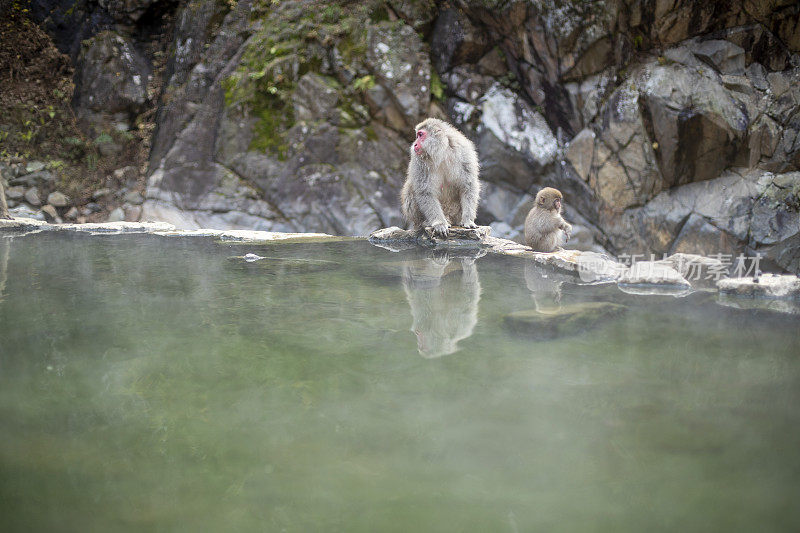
{"type": "Point", "coordinates": [32, 197]}
{"type": "Point", "coordinates": [58, 199]}
{"type": "Point", "coordinates": [23, 212]}
{"type": "Point", "coordinates": [117, 215]}
{"type": "Point", "coordinates": [37, 223]}
{"type": "Point", "coordinates": [396, 239]}
{"type": "Point", "coordinates": [563, 321]}
{"type": "Point", "coordinates": [111, 81]}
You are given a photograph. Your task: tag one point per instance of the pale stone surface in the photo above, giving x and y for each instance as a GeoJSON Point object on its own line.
{"type": "Point", "coordinates": [784, 286]}
{"type": "Point", "coordinates": [57, 199]}
{"type": "Point", "coordinates": [25, 224]}
{"type": "Point", "coordinates": [51, 213]}
{"type": "Point", "coordinates": [653, 273]}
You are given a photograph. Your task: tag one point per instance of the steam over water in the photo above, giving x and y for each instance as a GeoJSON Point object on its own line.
{"type": "Point", "coordinates": [151, 383]}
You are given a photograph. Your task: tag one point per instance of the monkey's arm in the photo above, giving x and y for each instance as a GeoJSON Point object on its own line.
{"type": "Point", "coordinates": [427, 201]}
{"type": "Point", "coordinates": [432, 210]}
{"type": "Point", "coordinates": [469, 194]}
{"type": "Point", "coordinates": [565, 226]}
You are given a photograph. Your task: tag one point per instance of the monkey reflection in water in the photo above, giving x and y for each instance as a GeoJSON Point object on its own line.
{"type": "Point", "coordinates": [545, 287]}
{"type": "Point", "coordinates": [5, 252]}
{"type": "Point", "coordinates": [443, 291]}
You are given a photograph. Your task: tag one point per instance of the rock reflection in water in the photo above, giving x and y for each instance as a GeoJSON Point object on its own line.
{"type": "Point", "coordinates": [551, 319]}
{"type": "Point", "coordinates": [443, 291]}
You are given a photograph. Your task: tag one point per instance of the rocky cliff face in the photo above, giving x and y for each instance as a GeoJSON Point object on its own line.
{"type": "Point", "coordinates": [671, 126]}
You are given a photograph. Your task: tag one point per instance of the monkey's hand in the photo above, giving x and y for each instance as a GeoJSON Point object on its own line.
{"type": "Point", "coordinates": [440, 229]}
{"type": "Point", "coordinates": [469, 225]}
{"type": "Point", "coordinates": [567, 227]}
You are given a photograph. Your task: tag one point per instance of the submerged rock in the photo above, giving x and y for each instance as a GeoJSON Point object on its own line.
{"type": "Point", "coordinates": [282, 265]}
{"type": "Point", "coordinates": [561, 321]}
{"type": "Point", "coordinates": [653, 277]}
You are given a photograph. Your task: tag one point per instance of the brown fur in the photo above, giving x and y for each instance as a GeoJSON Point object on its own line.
{"type": "Point", "coordinates": [544, 224]}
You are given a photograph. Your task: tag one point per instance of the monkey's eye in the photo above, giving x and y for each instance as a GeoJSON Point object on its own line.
{"type": "Point", "coordinates": [419, 133]}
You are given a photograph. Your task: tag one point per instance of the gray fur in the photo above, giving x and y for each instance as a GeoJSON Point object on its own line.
{"type": "Point", "coordinates": [3, 204]}
{"type": "Point", "coordinates": [442, 187]}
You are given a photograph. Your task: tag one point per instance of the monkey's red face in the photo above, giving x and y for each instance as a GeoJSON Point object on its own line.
{"type": "Point", "coordinates": [421, 136]}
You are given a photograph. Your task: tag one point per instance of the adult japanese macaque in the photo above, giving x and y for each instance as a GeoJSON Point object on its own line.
{"type": "Point", "coordinates": [442, 187]}
{"type": "Point", "coordinates": [443, 291]}
{"type": "Point", "coordinates": [3, 205]}
{"type": "Point", "coordinates": [544, 224]}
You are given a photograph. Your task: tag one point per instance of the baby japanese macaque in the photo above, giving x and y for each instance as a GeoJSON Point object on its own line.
{"type": "Point", "coordinates": [544, 224]}
{"type": "Point", "coordinates": [442, 187]}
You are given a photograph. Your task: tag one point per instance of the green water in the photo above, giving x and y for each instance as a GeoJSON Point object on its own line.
{"type": "Point", "coordinates": [154, 384]}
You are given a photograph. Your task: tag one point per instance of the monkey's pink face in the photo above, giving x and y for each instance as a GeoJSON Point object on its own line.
{"type": "Point", "coordinates": [421, 136]}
